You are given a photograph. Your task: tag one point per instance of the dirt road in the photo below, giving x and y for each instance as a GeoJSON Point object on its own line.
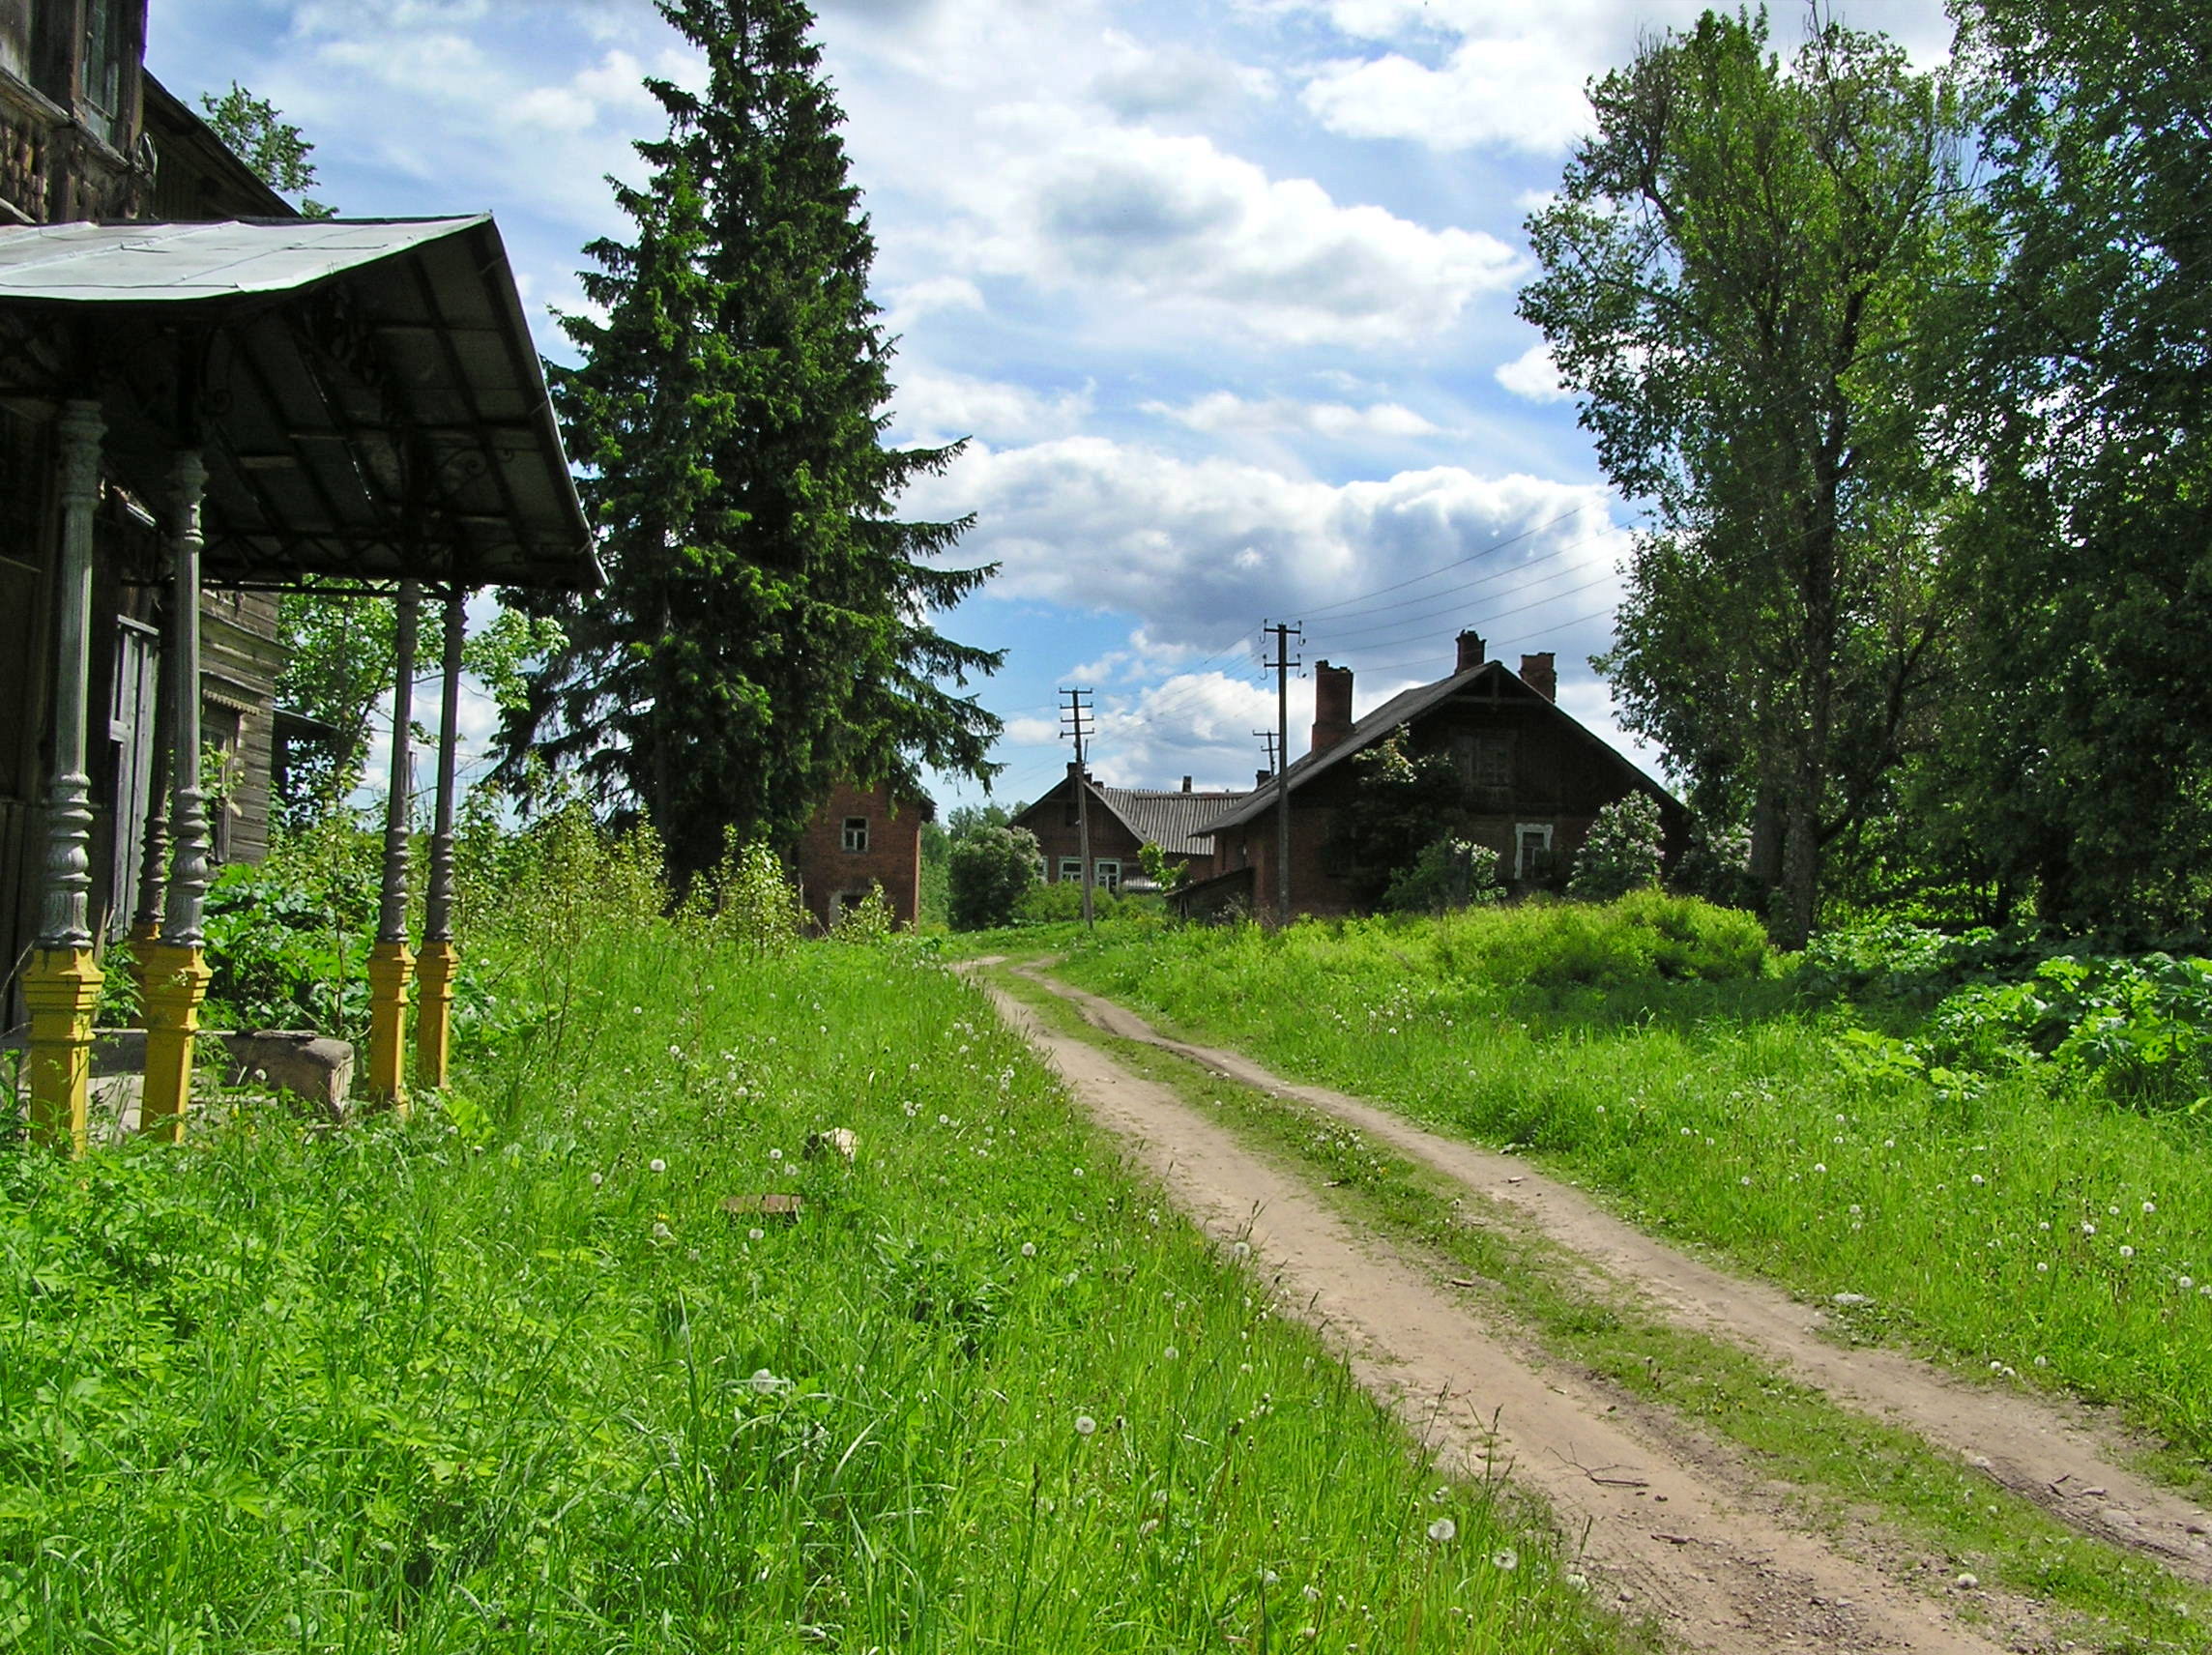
{"type": "Point", "coordinates": [1676, 1528]}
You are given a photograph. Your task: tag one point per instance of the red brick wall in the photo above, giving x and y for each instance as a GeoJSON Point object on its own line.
{"type": "Point", "coordinates": [827, 870]}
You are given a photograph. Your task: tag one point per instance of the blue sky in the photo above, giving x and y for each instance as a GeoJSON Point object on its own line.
{"type": "Point", "coordinates": [1221, 292]}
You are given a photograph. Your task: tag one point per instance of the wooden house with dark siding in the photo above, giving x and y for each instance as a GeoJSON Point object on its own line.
{"type": "Point", "coordinates": [1532, 781]}
{"type": "Point", "coordinates": [1124, 820]}
{"type": "Point", "coordinates": [85, 134]}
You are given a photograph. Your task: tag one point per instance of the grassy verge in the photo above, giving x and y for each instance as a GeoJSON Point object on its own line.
{"type": "Point", "coordinates": [1845, 1467]}
{"type": "Point", "coordinates": [513, 1377]}
{"type": "Point", "coordinates": [2017, 1223]}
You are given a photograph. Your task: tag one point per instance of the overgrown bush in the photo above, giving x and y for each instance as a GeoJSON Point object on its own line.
{"type": "Point", "coordinates": [1452, 873]}
{"type": "Point", "coordinates": [1647, 933]}
{"type": "Point", "coordinates": [989, 868]}
{"type": "Point", "coordinates": [1053, 904]}
{"type": "Point", "coordinates": [1622, 851]}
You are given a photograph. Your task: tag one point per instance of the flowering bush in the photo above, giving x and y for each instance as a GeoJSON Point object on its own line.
{"type": "Point", "coordinates": [1622, 851]}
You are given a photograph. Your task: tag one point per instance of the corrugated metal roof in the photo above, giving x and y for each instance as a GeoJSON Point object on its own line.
{"type": "Point", "coordinates": [366, 393]}
{"type": "Point", "coordinates": [1167, 819]}
{"type": "Point", "coordinates": [173, 264]}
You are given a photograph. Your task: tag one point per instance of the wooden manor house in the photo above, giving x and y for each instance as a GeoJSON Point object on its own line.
{"type": "Point", "coordinates": [205, 401]}
{"type": "Point", "coordinates": [1532, 781]}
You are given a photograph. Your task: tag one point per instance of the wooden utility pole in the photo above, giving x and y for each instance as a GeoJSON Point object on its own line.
{"type": "Point", "coordinates": [1076, 719]}
{"type": "Point", "coordinates": [1282, 664]}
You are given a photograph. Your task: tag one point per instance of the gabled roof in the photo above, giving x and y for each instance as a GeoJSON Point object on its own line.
{"type": "Point", "coordinates": [1403, 708]}
{"type": "Point", "coordinates": [1166, 816]}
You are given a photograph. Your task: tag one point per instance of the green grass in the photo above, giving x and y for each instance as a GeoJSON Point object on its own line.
{"type": "Point", "coordinates": [510, 1378]}
{"type": "Point", "coordinates": [2022, 1223]}
{"type": "Point", "coordinates": [1845, 1466]}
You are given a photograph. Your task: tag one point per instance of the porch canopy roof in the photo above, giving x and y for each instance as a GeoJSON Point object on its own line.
{"type": "Point", "coordinates": [365, 392]}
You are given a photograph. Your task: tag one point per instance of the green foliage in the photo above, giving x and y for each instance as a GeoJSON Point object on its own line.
{"type": "Point", "coordinates": [511, 1376]}
{"type": "Point", "coordinates": [1741, 278]}
{"type": "Point", "coordinates": [751, 901]}
{"type": "Point", "coordinates": [253, 130]}
{"type": "Point", "coordinates": [1061, 901]}
{"type": "Point", "coordinates": [989, 871]}
{"type": "Point", "coordinates": [868, 923]}
{"type": "Point", "coordinates": [1169, 873]}
{"type": "Point", "coordinates": [288, 940]}
{"type": "Point", "coordinates": [1622, 851]}
{"type": "Point", "coordinates": [764, 630]}
{"type": "Point", "coordinates": [1449, 874]}
{"type": "Point", "coordinates": [1406, 801]}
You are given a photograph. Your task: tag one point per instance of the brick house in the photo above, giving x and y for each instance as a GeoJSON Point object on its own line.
{"type": "Point", "coordinates": [859, 839]}
{"type": "Point", "coordinates": [1122, 820]}
{"type": "Point", "coordinates": [1534, 779]}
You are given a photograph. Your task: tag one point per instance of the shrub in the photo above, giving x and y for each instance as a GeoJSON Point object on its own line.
{"type": "Point", "coordinates": [1452, 873]}
{"type": "Point", "coordinates": [987, 871]}
{"type": "Point", "coordinates": [1622, 851]}
{"type": "Point", "coordinates": [1052, 904]}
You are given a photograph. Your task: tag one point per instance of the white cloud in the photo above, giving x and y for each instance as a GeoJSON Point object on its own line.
{"type": "Point", "coordinates": [1532, 374]}
{"type": "Point", "coordinates": [918, 299]}
{"type": "Point", "coordinates": [1222, 411]}
{"type": "Point", "coordinates": [1198, 550]}
{"type": "Point", "coordinates": [942, 407]}
{"type": "Point", "coordinates": [1175, 223]}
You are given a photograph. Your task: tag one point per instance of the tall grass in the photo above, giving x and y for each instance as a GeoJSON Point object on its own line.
{"type": "Point", "coordinates": [516, 1376]}
{"type": "Point", "coordinates": [2020, 1225]}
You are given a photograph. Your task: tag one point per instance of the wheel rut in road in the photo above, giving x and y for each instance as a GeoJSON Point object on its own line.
{"type": "Point", "coordinates": [1672, 1527]}
{"type": "Point", "coordinates": [2044, 1449]}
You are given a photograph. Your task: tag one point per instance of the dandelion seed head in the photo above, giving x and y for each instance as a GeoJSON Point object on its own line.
{"type": "Point", "coordinates": [2126, 1251]}
{"type": "Point", "coordinates": [756, 1233]}
{"type": "Point", "coordinates": [662, 1232]}
{"type": "Point", "coordinates": [2150, 1207]}
{"type": "Point", "coordinates": [2186, 1283]}
{"type": "Point", "coordinates": [1084, 1425]}
{"type": "Point", "coordinates": [1819, 1165]}
{"type": "Point", "coordinates": [1443, 1529]}
{"type": "Point", "coordinates": [1171, 1353]}
{"type": "Point", "coordinates": [598, 1179]}
{"type": "Point", "coordinates": [775, 1155]}
{"type": "Point", "coordinates": [1029, 1249]}
{"type": "Point", "coordinates": [1505, 1558]}
{"type": "Point", "coordinates": [657, 1165]}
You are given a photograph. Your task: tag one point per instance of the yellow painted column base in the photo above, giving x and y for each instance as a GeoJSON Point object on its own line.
{"type": "Point", "coordinates": [176, 983]}
{"type": "Point", "coordinates": [144, 934]}
{"type": "Point", "coordinates": [61, 986]}
{"type": "Point", "coordinates": [435, 965]}
{"type": "Point", "coordinates": [391, 968]}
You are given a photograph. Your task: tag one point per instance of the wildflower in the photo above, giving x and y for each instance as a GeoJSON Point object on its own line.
{"type": "Point", "coordinates": [1978, 1180]}
{"type": "Point", "coordinates": [1854, 1209]}
{"type": "Point", "coordinates": [657, 1165]}
{"type": "Point", "coordinates": [1440, 1495]}
{"type": "Point", "coordinates": [911, 1110]}
{"type": "Point", "coordinates": [1889, 1143]}
{"type": "Point", "coordinates": [1508, 1559]}
{"type": "Point", "coordinates": [2111, 1212]}
{"type": "Point", "coordinates": [1745, 1181]}
{"type": "Point", "coordinates": [1242, 1249]}
{"type": "Point", "coordinates": [2045, 1225]}
{"type": "Point", "coordinates": [766, 1384]}
{"type": "Point", "coordinates": [661, 1232]}
{"type": "Point", "coordinates": [1687, 1133]}
{"type": "Point", "coordinates": [1970, 1580]}
{"type": "Point", "coordinates": [775, 1155]}
{"type": "Point", "coordinates": [2043, 1361]}
{"type": "Point", "coordinates": [944, 1121]}
{"type": "Point", "coordinates": [1269, 1577]}
{"type": "Point", "coordinates": [1172, 1353]}
{"type": "Point", "coordinates": [1079, 1172]}
{"type": "Point", "coordinates": [1084, 1425]}
{"type": "Point", "coordinates": [1311, 1593]}
{"type": "Point", "coordinates": [1443, 1529]}
{"type": "Point", "coordinates": [2041, 1270]}
{"type": "Point", "coordinates": [2088, 1229]}
{"type": "Point", "coordinates": [1819, 1165]}
{"type": "Point", "coordinates": [2150, 1207]}
{"type": "Point", "coordinates": [598, 1179]}
{"type": "Point", "coordinates": [2127, 1252]}
{"type": "Point", "coordinates": [2186, 1283]}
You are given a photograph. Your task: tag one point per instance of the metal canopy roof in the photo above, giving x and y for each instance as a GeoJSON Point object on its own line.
{"type": "Point", "coordinates": [366, 392]}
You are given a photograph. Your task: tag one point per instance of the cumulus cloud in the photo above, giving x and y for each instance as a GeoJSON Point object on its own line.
{"type": "Point", "coordinates": [1532, 374]}
{"type": "Point", "coordinates": [942, 407]}
{"type": "Point", "coordinates": [1222, 411]}
{"type": "Point", "coordinates": [1176, 223]}
{"type": "Point", "coordinates": [1198, 550]}
{"type": "Point", "coordinates": [1458, 74]}
{"type": "Point", "coordinates": [927, 298]}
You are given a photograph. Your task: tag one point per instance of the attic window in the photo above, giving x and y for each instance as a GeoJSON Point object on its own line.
{"type": "Point", "coordinates": [1485, 760]}
{"type": "Point", "coordinates": [856, 834]}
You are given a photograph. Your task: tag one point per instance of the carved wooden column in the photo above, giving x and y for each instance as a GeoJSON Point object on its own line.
{"type": "Point", "coordinates": [154, 856]}
{"type": "Point", "coordinates": [175, 969]}
{"type": "Point", "coordinates": [433, 1032]}
{"type": "Point", "coordinates": [391, 966]}
{"type": "Point", "coordinates": [60, 984]}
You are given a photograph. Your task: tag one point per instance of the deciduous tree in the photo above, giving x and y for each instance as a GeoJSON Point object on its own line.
{"type": "Point", "coordinates": [1739, 278]}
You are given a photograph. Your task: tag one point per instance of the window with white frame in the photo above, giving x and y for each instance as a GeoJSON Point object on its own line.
{"type": "Point", "coordinates": [1531, 850]}
{"type": "Point", "coordinates": [856, 834]}
{"type": "Point", "coordinates": [1109, 873]}
{"type": "Point", "coordinates": [1071, 870]}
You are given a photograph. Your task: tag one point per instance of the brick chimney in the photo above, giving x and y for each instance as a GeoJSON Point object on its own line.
{"type": "Point", "coordinates": [1260, 778]}
{"type": "Point", "coordinates": [1331, 705]}
{"type": "Point", "coordinates": [1471, 651]}
{"type": "Point", "coordinates": [1540, 675]}
{"type": "Point", "coordinates": [1186, 784]}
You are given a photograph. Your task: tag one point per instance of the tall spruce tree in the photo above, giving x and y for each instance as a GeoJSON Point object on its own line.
{"type": "Point", "coordinates": [764, 625]}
